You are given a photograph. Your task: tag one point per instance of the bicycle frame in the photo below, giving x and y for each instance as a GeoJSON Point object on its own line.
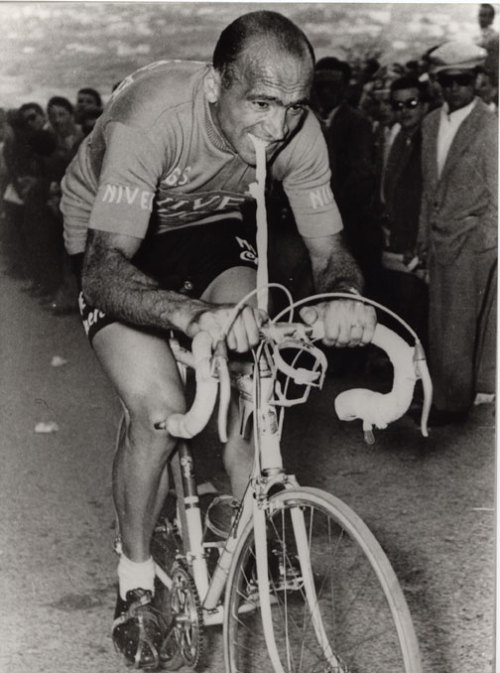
{"type": "Point", "coordinates": [268, 470]}
{"type": "Point", "coordinates": [263, 398]}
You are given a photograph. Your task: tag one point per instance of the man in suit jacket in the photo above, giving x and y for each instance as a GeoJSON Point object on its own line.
{"type": "Point", "coordinates": [458, 225]}
{"type": "Point", "coordinates": [350, 147]}
{"type": "Point", "coordinates": [402, 288]}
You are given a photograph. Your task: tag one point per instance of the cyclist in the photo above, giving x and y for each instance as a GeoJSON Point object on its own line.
{"type": "Point", "coordinates": [158, 200]}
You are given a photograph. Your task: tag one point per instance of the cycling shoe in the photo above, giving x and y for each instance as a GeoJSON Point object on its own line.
{"type": "Point", "coordinates": [138, 629]}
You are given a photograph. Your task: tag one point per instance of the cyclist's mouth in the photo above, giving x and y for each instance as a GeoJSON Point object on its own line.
{"type": "Point", "coordinates": [271, 146]}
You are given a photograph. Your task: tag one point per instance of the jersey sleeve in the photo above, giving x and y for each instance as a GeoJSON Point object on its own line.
{"type": "Point", "coordinates": [131, 168]}
{"type": "Point", "coordinates": [306, 181]}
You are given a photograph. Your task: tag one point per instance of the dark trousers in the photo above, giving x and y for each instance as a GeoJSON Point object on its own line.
{"type": "Point", "coordinates": [408, 296]}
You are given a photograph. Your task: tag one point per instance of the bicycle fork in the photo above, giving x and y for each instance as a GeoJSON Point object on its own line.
{"type": "Point", "coordinates": [269, 436]}
{"type": "Point", "coordinates": [261, 553]}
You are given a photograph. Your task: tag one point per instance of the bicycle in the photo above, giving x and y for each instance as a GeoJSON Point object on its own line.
{"type": "Point", "coordinates": [300, 583]}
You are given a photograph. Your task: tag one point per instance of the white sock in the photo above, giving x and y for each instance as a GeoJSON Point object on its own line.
{"type": "Point", "coordinates": [133, 575]}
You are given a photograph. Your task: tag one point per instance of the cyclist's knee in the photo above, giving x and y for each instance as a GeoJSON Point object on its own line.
{"type": "Point", "coordinates": [148, 413]}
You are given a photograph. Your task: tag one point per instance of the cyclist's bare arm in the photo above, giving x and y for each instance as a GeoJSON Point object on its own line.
{"type": "Point", "coordinates": [112, 282]}
{"type": "Point", "coordinates": [346, 323]}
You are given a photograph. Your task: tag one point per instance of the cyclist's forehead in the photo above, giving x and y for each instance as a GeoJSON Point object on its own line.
{"type": "Point", "coordinates": [269, 72]}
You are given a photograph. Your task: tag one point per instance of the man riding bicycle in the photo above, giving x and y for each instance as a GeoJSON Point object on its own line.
{"type": "Point", "coordinates": [158, 201]}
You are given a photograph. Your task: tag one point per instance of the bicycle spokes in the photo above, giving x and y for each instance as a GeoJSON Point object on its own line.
{"type": "Point", "coordinates": [333, 604]}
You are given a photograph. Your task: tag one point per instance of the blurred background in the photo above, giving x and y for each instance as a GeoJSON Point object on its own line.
{"type": "Point", "coordinates": [53, 48]}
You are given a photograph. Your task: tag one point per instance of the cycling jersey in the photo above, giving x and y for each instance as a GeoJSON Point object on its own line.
{"type": "Point", "coordinates": [156, 162]}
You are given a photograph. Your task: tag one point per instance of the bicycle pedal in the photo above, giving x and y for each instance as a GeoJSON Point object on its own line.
{"type": "Point", "coordinates": [289, 583]}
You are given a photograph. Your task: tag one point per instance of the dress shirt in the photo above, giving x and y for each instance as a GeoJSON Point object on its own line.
{"type": "Point", "coordinates": [389, 133]}
{"type": "Point", "coordinates": [448, 127]}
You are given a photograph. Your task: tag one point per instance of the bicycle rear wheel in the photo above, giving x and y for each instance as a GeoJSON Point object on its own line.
{"type": "Point", "coordinates": [336, 604]}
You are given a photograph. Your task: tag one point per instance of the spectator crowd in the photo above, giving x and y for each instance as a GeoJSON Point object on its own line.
{"type": "Point", "coordinates": [37, 145]}
{"type": "Point", "coordinates": [414, 172]}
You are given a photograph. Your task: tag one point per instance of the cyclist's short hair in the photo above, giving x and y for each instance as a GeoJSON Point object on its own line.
{"type": "Point", "coordinates": [60, 101]}
{"type": "Point", "coordinates": [275, 28]}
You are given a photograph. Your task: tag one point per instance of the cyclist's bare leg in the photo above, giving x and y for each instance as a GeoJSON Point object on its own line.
{"type": "Point", "coordinates": [231, 286]}
{"type": "Point", "coordinates": [144, 373]}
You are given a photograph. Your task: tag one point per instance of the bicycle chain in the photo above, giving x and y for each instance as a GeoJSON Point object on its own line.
{"type": "Point", "coordinates": [183, 601]}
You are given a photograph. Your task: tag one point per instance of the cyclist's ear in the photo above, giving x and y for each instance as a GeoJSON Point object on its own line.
{"type": "Point", "coordinates": [212, 85]}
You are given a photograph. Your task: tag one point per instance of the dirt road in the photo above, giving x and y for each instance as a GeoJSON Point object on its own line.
{"type": "Point", "coordinates": [430, 502]}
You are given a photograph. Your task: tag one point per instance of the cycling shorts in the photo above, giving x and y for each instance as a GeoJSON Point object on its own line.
{"type": "Point", "coordinates": [186, 260]}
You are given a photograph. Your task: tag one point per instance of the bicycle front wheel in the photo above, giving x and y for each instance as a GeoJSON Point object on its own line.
{"type": "Point", "coordinates": [336, 604]}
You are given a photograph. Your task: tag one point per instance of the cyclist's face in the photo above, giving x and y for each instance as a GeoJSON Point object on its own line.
{"type": "Point", "coordinates": [267, 97]}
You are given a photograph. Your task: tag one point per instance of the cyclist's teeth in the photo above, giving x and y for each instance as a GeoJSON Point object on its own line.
{"type": "Point", "coordinates": [258, 141]}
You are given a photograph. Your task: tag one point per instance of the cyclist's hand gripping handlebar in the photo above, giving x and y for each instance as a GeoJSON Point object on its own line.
{"type": "Point", "coordinates": [373, 408]}
{"type": "Point", "coordinates": [212, 374]}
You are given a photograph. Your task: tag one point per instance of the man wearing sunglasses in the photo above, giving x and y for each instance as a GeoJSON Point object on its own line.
{"type": "Point", "coordinates": [401, 189]}
{"type": "Point", "coordinates": [458, 225]}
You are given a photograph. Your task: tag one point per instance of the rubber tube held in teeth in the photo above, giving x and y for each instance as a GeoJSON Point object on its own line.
{"type": "Point", "coordinates": [258, 190]}
{"type": "Point", "coordinates": [257, 141]}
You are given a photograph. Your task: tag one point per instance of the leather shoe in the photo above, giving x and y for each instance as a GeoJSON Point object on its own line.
{"type": "Point", "coordinates": [138, 629]}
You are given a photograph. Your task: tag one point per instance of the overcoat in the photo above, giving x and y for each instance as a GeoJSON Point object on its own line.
{"type": "Point", "coordinates": [458, 232]}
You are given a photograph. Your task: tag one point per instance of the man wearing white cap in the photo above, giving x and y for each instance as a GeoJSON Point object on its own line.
{"type": "Point", "coordinates": [458, 224]}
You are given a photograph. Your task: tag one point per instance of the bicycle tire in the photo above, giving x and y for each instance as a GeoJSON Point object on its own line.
{"type": "Point", "coordinates": [363, 611]}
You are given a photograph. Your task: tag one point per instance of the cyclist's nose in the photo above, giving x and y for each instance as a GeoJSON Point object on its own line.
{"type": "Point", "coordinates": [276, 126]}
